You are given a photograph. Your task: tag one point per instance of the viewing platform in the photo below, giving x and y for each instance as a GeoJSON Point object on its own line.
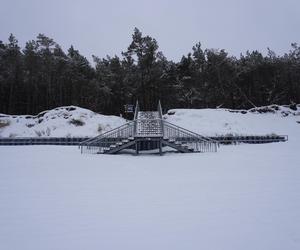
{"type": "Point", "coordinates": [148, 131]}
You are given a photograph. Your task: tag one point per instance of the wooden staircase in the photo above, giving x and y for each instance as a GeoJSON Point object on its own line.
{"type": "Point", "coordinates": [147, 127]}
{"type": "Point", "coordinates": [148, 124]}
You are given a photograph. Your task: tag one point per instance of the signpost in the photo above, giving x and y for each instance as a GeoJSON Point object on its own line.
{"type": "Point", "coordinates": [128, 110]}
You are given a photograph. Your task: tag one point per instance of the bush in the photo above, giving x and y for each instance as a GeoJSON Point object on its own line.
{"type": "Point", "coordinates": [171, 112]}
{"type": "Point", "coordinates": [100, 128]}
{"type": "Point", "coordinates": [71, 108]}
{"type": "Point", "coordinates": [48, 131]}
{"type": "Point", "coordinates": [4, 123]}
{"type": "Point", "coordinates": [293, 107]}
{"type": "Point", "coordinates": [38, 133]}
{"type": "Point", "coordinates": [29, 125]}
{"type": "Point", "coordinates": [76, 122]}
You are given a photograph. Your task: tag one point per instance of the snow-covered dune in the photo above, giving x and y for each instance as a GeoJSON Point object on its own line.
{"type": "Point", "coordinates": [70, 121]}
{"type": "Point", "coordinates": [74, 121]}
{"type": "Point", "coordinates": [276, 119]}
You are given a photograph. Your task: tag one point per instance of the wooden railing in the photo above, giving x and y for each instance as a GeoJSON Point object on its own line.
{"type": "Point", "coordinates": [249, 139]}
{"type": "Point", "coordinates": [104, 141]}
{"type": "Point", "coordinates": [160, 117]}
{"type": "Point", "coordinates": [19, 141]}
{"type": "Point", "coordinates": [71, 141]}
{"type": "Point", "coordinates": [194, 141]}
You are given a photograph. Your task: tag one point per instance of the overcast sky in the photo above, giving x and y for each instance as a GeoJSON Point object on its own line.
{"type": "Point", "coordinates": [105, 27]}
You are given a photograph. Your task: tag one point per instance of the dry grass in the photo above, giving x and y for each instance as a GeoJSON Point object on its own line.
{"type": "Point", "coordinates": [4, 123]}
{"type": "Point", "coordinates": [77, 122]}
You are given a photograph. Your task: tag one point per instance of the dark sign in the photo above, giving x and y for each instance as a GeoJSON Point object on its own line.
{"type": "Point", "coordinates": [129, 108]}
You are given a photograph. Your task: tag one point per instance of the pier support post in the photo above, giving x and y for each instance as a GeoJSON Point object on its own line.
{"type": "Point", "coordinates": [136, 147]}
{"type": "Point", "coordinates": [160, 147]}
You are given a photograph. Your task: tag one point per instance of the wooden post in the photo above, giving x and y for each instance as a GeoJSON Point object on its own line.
{"type": "Point", "coordinates": [136, 147]}
{"type": "Point", "coordinates": [160, 147]}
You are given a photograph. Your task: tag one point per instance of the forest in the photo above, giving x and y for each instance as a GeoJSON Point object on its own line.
{"type": "Point", "coordinates": [42, 76]}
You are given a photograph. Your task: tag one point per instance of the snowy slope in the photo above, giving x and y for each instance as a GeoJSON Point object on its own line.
{"type": "Point", "coordinates": [73, 121]}
{"type": "Point", "coordinates": [70, 121]}
{"type": "Point", "coordinates": [260, 121]}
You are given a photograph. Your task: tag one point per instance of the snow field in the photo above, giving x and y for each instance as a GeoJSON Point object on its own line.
{"type": "Point", "coordinates": [243, 197]}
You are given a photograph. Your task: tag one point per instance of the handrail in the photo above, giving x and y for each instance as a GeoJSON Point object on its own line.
{"type": "Point", "coordinates": [107, 133]}
{"type": "Point", "coordinates": [108, 140]}
{"type": "Point", "coordinates": [193, 141]}
{"type": "Point", "coordinates": [76, 140]}
{"type": "Point", "coordinates": [154, 119]}
{"type": "Point", "coordinates": [159, 109]}
{"type": "Point", "coordinates": [189, 132]}
{"type": "Point", "coordinates": [161, 117]}
{"type": "Point", "coordinates": [136, 111]}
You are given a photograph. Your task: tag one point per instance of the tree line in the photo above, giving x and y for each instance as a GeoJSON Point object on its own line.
{"type": "Point", "coordinates": [42, 76]}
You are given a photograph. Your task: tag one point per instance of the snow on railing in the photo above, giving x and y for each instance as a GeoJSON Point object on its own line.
{"type": "Point", "coordinates": [194, 141]}
{"type": "Point", "coordinates": [104, 141]}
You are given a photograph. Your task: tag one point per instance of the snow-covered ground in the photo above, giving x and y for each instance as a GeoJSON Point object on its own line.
{"type": "Point", "coordinates": [242, 197]}
{"type": "Point", "coordinates": [73, 121]}
{"type": "Point", "coordinates": [70, 121]}
{"type": "Point", "coordinates": [260, 121]}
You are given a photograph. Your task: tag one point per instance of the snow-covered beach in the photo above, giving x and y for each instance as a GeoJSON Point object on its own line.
{"type": "Point", "coordinates": [243, 197]}
{"type": "Point", "coordinates": [72, 121]}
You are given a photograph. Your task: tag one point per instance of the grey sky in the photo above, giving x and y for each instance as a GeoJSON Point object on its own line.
{"type": "Point", "coordinates": [105, 27]}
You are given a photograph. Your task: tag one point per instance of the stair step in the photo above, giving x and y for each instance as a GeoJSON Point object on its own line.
{"type": "Point", "coordinates": [119, 143]}
{"type": "Point", "coordinates": [113, 146]}
{"type": "Point", "coordinates": [125, 141]}
{"type": "Point", "coordinates": [131, 138]}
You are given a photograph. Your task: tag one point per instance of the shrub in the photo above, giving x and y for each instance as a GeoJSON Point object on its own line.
{"type": "Point", "coordinates": [4, 123]}
{"type": "Point", "coordinates": [293, 107]}
{"type": "Point", "coordinates": [71, 108]}
{"type": "Point", "coordinates": [171, 112]}
{"type": "Point", "coordinates": [38, 133]}
{"type": "Point", "coordinates": [29, 125]}
{"type": "Point", "coordinates": [41, 114]}
{"type": "Point", "coordinates": [76, 122]}
{"type": "Point", "coordinates": [48, 131]}
{"type": "Point", "coordinates": [100, 128]}
{"type": "Point", "coordinates": [275, 107]}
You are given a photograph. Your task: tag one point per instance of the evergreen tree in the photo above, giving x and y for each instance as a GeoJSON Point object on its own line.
{"type": "Point", "coordinates": [42, 76]}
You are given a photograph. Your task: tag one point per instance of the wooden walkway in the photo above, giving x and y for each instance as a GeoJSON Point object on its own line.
{"type": "Point", "coordinates": [75, 141]}
{"type": "Point", "coordinates": [148, 124]}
